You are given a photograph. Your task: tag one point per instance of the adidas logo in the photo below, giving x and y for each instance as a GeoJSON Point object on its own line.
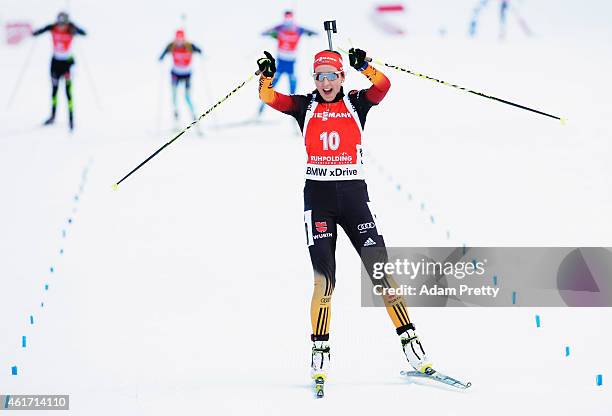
{"type": "Point", "coordinates": [369, 242]}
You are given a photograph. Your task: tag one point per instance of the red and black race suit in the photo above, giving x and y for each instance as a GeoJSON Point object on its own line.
{"type": "Point", "coordinates": [61, 35]}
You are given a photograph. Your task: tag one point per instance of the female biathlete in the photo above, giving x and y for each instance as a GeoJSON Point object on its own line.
{"type": "Point", "coordinates": [335, 192]}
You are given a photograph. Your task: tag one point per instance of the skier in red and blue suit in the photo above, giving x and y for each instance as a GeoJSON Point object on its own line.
{"type": "Point", "coordinates": [288, 35]}
{"type": "Point", "coordinates": [182, 53]}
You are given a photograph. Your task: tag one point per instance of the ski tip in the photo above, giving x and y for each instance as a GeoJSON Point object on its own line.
{"type": "Point", "coordinates": [115, 186]}
{"type": "Point", "coordinates": [563, 121]}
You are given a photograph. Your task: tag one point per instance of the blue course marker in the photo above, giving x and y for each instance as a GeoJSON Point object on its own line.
{"type": "Point", "coordinates": [399, 187]}
{"type": "Point", "coordinates": [495, 280]}
{"type": "Point", "coordinates": [599, 379]}
{"type": "Point", "coordinates": [433, 221]}
{"type": "Point", "coordinates": [64, 233]}
{"type": "Point", "coordinates": [514, 298]}
{"type": "Point", "coordinates": [42, 304]}
{"type": "Point", "coordinates": [69, 220]}
{"type": "Point", "coordinates": [538, 321]}
{"type": "Point", "coordinates": [567, 350]}
{"type": "Point", "coordinates": [51, 269]}
{"type": "Point", "coordinates": [46, 286]}
{"type": "Point", "coordinates": [61, 251]}
{"type": "Point", "coordinates": [6, 401]}
{"type": "Point", "coordinates": [23, 341]}
{"type": "Point", "coordinates": [14, 370]}
{"type": "Point", "coordinates": [31, 319]}
{"type": "Point", "coordinates": [76, 197]}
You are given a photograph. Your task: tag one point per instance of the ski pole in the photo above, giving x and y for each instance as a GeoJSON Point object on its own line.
{"type": "Point", "coordinates": [207, 87]}
{"type": "Point", "coordinates": [193, 123]}
{"type": "Point", "coordinates": [90, 79]}
{"type": "Point", "coordinates": [159, 100]}
{"type": "Point", "coordinates": [490, 97]}
{"type": "Point", "coordinates": [521, 21]}
{"type": "Point", "coordinates": [21, 74]}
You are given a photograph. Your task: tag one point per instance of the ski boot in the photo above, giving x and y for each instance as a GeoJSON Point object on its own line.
{"type": "Point", "coordinates": [414, 351]}
{"type": "Point", "coordinates": [319, 365]}
{"type": "Point", "coordinates": [50, 120]}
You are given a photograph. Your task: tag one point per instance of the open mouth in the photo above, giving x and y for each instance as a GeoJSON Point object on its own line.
{"type": "Point", "coordinates": [327, 90]}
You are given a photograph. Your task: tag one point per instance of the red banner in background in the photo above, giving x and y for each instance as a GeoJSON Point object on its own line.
{"type": "Point", "coordinates": [17, 31]}
{"type": "Point", "coordinates": [390, 8]}
{"type": "Point", "coordinates": [389, 18]}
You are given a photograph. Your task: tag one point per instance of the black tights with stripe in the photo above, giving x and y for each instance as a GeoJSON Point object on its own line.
{"type": "Point", "coordinates": [328, 204]}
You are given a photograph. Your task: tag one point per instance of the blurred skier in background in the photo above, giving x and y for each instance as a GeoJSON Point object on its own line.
{"type": "Point", "coordinates": [182, 52]}
{"type": "Point", "coordinates": [288, 36]}
{"type": "Point", "coordinates": [503, 12]}
{"type": "Point", "coordinates": [475, 15]}
{"type": "Point", "coordinates": [62, 33]}
{"type": "Point", "coordinates": [332, 123]}
{"type": "Point", "coordinates": [504, 8]}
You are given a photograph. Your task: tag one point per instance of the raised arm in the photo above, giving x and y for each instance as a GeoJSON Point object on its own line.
{"type": "Point", "coordinates": [161, 57]}
{"type": "Point", "coordinates": [278, 101]}
{"type": "Point", "coordinates": [42, 30]}
{"type": "Point", "coordinates": [273, 32]}
{"type": "Point", "coordinates": [308, 32]}
{"type": "Point", "coordinates": [267, 94]}
{"type": "Point", "coordinates": [195, 49]}
{"type": "Point", "coordinates": [77, 30]}
{"type": "Point", "coordinates": [380, 82]}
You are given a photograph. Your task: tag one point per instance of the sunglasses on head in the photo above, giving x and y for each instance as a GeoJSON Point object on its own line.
{"type": "Point", "coordinates": [331, 76]}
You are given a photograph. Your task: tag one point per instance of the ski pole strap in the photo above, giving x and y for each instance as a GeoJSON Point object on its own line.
{"type": "Point", "coordinates": [490, 97]}
{"type": "Point", "coordinates": [179, 134]}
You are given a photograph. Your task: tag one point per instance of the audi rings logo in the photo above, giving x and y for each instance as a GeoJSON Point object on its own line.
{"type": "Point", "coordinates": [362, 228]}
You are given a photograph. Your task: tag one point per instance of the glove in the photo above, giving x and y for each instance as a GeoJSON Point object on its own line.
{"type": "Point", "coordinates": [357, 59]}
{"type": "Point", "coordinates": [267, 65]}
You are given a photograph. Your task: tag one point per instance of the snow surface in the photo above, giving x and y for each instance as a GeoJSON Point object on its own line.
{"type": "Point", "coordinates": [187, 291]}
